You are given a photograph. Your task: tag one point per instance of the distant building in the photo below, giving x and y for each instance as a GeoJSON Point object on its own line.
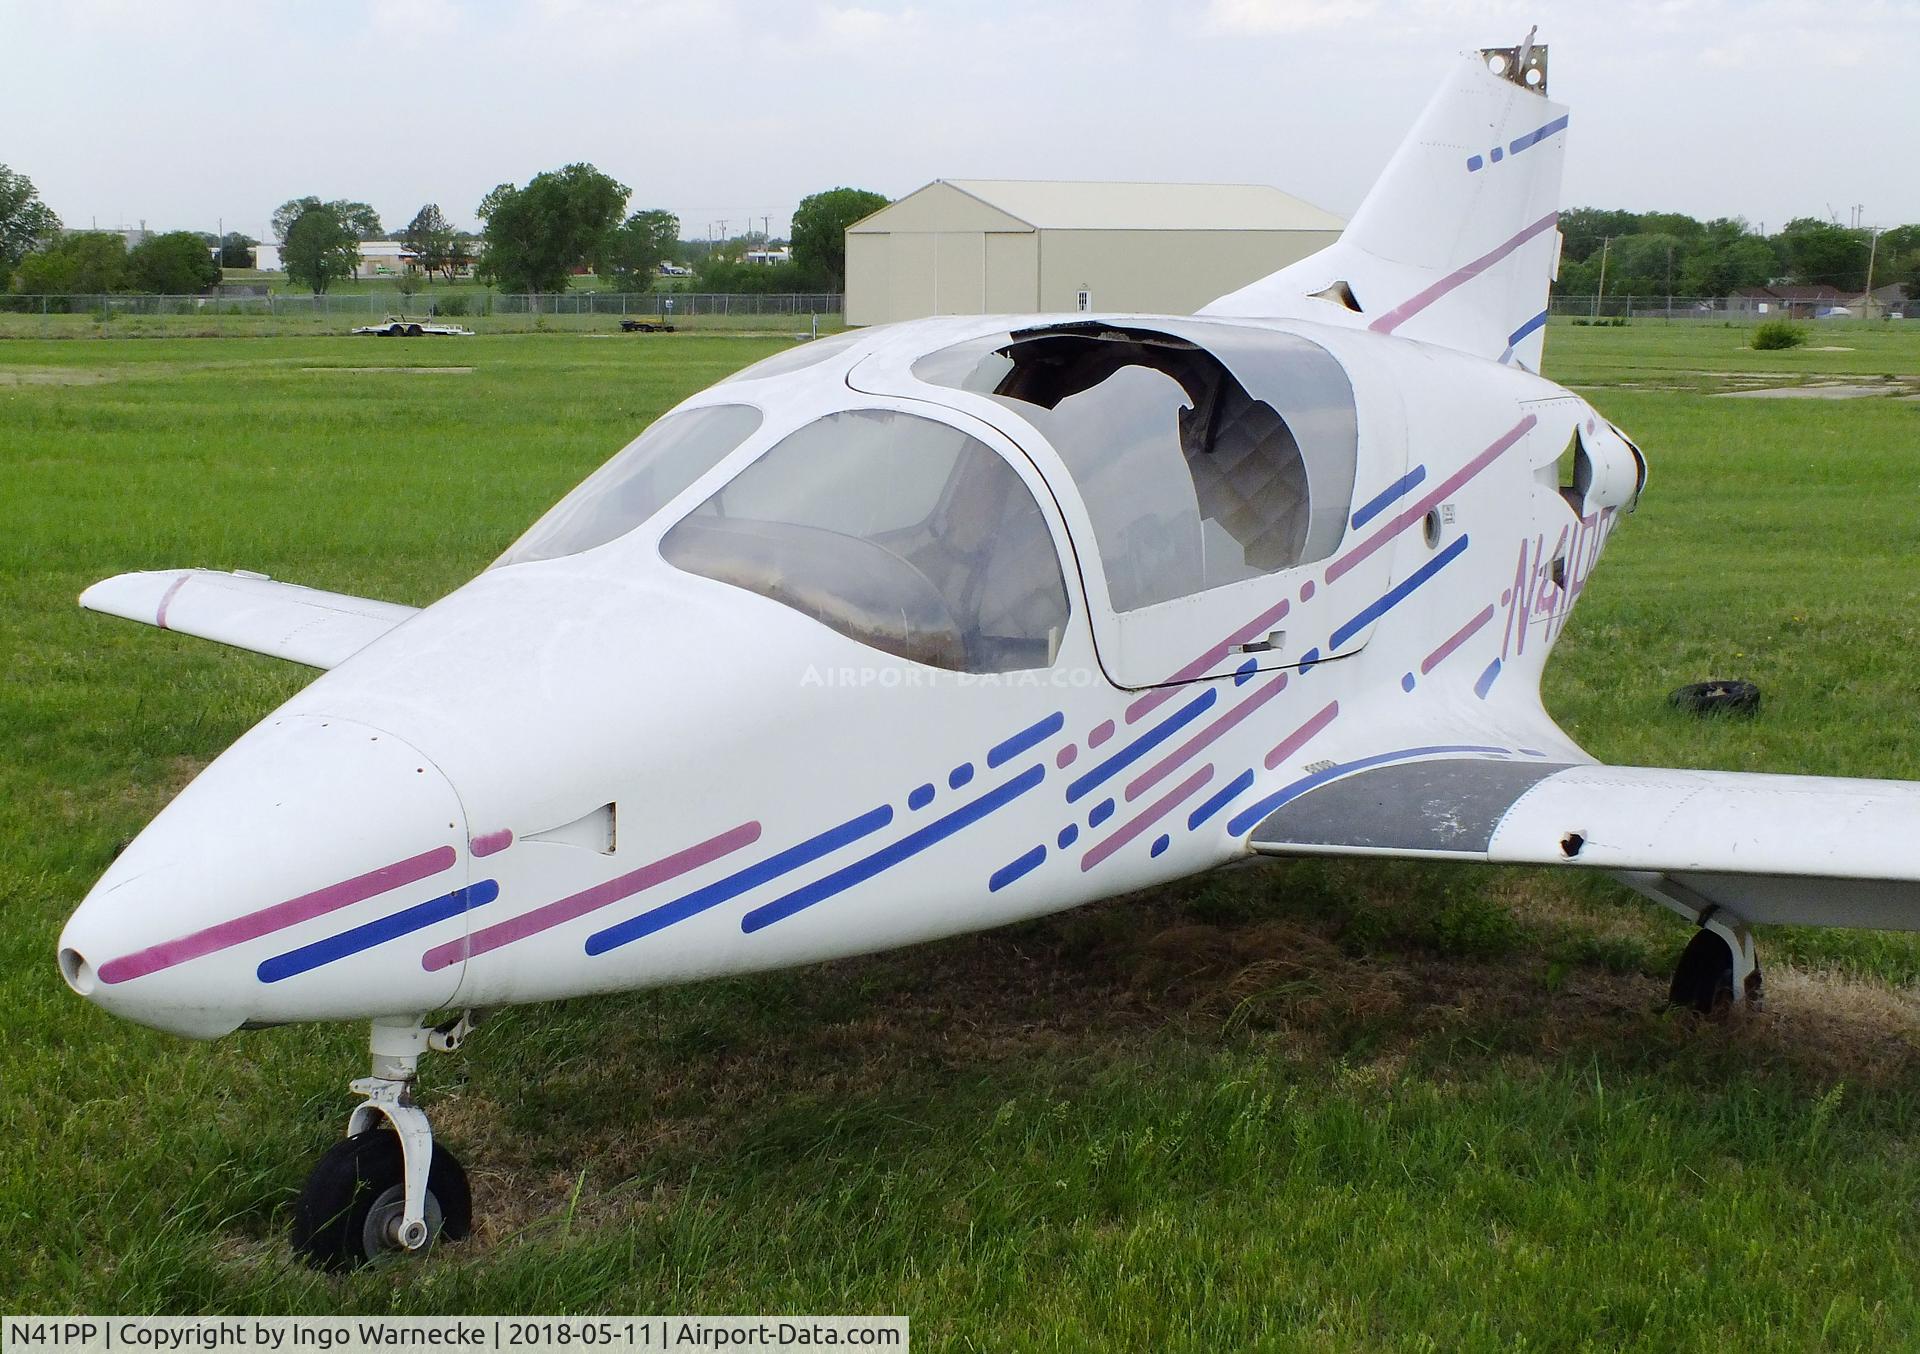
{"type": "Point", "coordinates": [378, 258]}
{"type": "Point", "coordinates": [784, 254]}
{"type": "Point", "coordinates": [1800, 303]}
{"type": "Point", "coordinates": [1005, 246]}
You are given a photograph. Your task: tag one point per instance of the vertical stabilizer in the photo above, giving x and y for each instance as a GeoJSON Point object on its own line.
{"type": "Point", "coordinates": [1456, 243]}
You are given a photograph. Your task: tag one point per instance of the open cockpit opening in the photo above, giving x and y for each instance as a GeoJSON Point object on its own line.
{"type": "Point", "coordinates": [1198, 470]}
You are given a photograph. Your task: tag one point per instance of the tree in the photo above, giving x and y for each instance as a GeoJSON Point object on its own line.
{"type": "Point", "coordinates": [1819, 252]}
{"type": "Point", "coordinates": [360, 219]}
{"type": "Point", "coordinates": [87, 261]}
{"type": "Point", "coordinates": [26, 223]}
{"type": "Point", "coordinates": [431, 240]}
{"type": "Point", "coordinates": [1584, 228]}
{"type": "Point", "coordinates": [635, 251]}
{"type": "Point", "coordinates": [319, 249]}
{"type": "Point", "coordinates": [236, 250]}
{"type": "Point", "coordinates": [820, 232]}
{"type": "Point", "coordinates": [172, 264]}
{"type": "Point", "coordinates": [1721, 268]}
{"type": "Point", "coordinates": [537, 235]}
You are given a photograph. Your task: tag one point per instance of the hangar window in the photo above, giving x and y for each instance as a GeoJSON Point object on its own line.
{"type": "Point", "coordinates": [1201, 464]}
{"type": "Point", "coordinates": [636, 483]}
{"type": "Point", "coordinates": [902, 533]}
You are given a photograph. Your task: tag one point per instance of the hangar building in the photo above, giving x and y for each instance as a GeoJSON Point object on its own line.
{"type": "Point", "coordinates": [1008, 246]}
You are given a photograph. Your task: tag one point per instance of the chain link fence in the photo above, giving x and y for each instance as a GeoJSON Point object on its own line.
{"type": "Point", "coordinates": [1728, 309]}
{"type": "Point", "coordinates": [479, 309]}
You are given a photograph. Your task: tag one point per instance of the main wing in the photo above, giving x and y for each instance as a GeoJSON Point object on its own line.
{"type": "Point", "coordinates": [249, 611]}
{"type": "Point", "coordinates": [1808, 850]}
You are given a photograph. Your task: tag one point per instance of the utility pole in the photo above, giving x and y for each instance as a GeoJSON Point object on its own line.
{"type": "Point", "coordinates": [1669, 279]}
{"type": "Point", "coordinates": [1873, 248]}
{"type": "Point", "coordinates": [1606, 244]}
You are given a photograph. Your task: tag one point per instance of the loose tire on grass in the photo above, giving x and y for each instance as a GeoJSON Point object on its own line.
{"type": "Point", "coordinates": [1730, 697]}
{"type": "Point", "coordinates": [356, 1183]}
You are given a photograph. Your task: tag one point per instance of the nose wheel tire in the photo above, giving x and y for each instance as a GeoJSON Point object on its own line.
{"type": "Point", "coordinates": [352, 1206]}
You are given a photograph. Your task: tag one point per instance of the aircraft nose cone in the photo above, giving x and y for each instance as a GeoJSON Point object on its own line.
{"type": "Point", "coordinates": [285, 883]}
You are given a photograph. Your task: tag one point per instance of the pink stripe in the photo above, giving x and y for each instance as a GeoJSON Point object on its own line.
{"type": "Point", "coordinates": [1407, 309]}
{"type": "Point", "coordinates": [490, 842]}
{"type": "Point", "coordinates": [1460, 636]}
{"type": "Point", "coordinates": [278, 917]}
{"type": "Point", "coordinates": [1259, 625]}
{"type": "Point", "coordinates": [587, 900]}
{"type": "Point", "coordinates": [166, 599]}
{"type": "Point", "coordinates": [1160, 809]}
{"type": "Point", "coordinates": [1301, 736]}
{"type": "Point", "coordinates": [1146, 780]}
{"type": "Point", "coordinates": [1445, 488]}
{"type": "Point", "coordinates": [1100, 734]}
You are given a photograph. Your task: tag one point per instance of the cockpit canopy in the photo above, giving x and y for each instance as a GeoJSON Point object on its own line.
{"type": "Point", "coordinates": [899, 531]}
{"type": "Point", "coordinates": [1205, 455]}
{"type": "Point", "coordinates": [1200, 465]}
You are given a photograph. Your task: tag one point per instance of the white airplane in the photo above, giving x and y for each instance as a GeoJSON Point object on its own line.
{"type": "Point", "coordinates": [928, 628]}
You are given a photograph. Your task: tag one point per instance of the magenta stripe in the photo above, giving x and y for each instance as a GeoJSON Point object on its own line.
{"type": "Point", "coordinates": [1460, 636]}
{"type": "Point", "coordinates": [278, 917]}
{"type": "Point", "coordinates": [1299, 738]}
{"type": "Point", "coordinates": [587, 900]}
{"type": "Point", "coordinates": [166, 599]}
{"type": "Point", "coordinates": [1443, 490]}
{"type": "Point", "coordinates": [1152, 701]}
{"type": "Point", "coordinates": [1146, 780]}
{"type": "Point", "coordinates": [1159, 809]}
{"type": "Point", "coordinates": [1413, 305]}
{"type": "Point", "coordinates": [489, 842]}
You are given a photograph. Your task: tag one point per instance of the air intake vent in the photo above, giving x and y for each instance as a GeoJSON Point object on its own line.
{"type": "Point", "coordinates": [591, 831]}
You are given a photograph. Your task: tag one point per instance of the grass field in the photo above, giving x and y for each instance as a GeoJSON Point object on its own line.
{"type": "Point", "coordinates": [1319, 1105]}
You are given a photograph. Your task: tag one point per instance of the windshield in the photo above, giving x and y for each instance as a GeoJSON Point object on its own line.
{"type": "Point", "coordinates": [630, 488]}
{"type": "Point", "coordinates": [900, 532]}
{"type": "Point", "coordinates": [1200, 465]}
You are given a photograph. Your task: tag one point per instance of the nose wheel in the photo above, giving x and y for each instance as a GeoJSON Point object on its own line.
{"type": "Point", "coordinates": [386, 1188]}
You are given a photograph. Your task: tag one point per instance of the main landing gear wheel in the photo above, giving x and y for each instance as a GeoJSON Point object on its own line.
{"type": "Point", "coordinates": [353, 1206]}
{"type": "Point", "coordinates": [387, 1187]}
{"type": "Point", "coordinates": [1704, 980]}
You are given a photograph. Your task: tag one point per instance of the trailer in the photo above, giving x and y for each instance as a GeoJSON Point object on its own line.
{"type": "Point", "coordinates": [399, 326]}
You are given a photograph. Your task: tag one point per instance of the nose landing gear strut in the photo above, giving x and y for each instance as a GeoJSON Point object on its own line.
{"type": "Point", "coordinates": [386, 1187]}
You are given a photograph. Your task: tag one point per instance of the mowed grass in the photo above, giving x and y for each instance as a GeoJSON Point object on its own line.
{"type": "Point", "coordinates": [1324, 1105]}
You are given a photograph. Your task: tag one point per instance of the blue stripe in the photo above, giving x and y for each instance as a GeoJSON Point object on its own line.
{"type": "Point", "coordinates": [734, 885]}
{"type": "Point", "coordinates": [888, 856]}
{"type": "Point", "coordinates": [1026, 738]}
{"type": "Point", "coordinates": [1372, 507]}
{"type": "Point", "coordinates": [1142, 745]}
{"type": "Point", "coordinates": [1537, 322]}
{"type": "Point", "coordinates": [1381, 606]}
{"type": "Point", "coordinates": [1538, 135]}
{"type": "Point", "coordinates": [1217, 801]}
{"type": "Point", "coordinates": [1485, 684]}
{"type": "Point", "coordinates": [1011, 871]}
{"type": "Point", "coordinates": [378, 932]}
{"type": "Point", "coordinates": [1259, 809]}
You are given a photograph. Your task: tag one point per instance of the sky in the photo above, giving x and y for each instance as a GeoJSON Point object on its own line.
{"type": "Point", "coordinates": [191, 115]}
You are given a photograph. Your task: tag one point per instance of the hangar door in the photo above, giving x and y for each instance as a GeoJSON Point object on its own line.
{"type": "Point", "coordinates": [1013, 272]}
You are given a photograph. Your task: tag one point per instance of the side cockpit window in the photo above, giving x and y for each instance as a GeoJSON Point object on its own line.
{"type": "Point", "coordinates": [654, 468]}
{"type": "Point", "coordinates": [898, 531]}
{"type": "Point", "coordinates": [1200, 464]}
